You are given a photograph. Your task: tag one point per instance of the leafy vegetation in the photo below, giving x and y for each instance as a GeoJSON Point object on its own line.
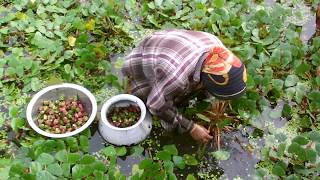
{"type": "Point", "coordinates": [50, 41]}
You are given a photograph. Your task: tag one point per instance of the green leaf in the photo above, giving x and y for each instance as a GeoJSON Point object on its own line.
{"type": "Point", "coordinates": [35, 84]}
{"type": "Point", "coordinates": [45, 175]}
{"type": "Point", "coordinates": [145, 164]}
{"type": "Point", "coordinates": [292, 177]}
{"type": "Point", "coordinates": [291, 80]}
{"type": "Point", "coordinates": [163, 155]}
{"type": "Point", "coordinates": [84, 143]}
{"type": "Point", "coordinates": [203, 117]}
{"type": "Point", "coordinates": [171, 149]}
{"type": "Point", "coordinates": [16, 124]}
{"type": "Point", "coordinates": [13, 111]}
{"type": "Point", "coordinates": [55, 169]}
{"type": "Point", "coordinates": [99, 166]}
{"type": "Point", "coordinates": [80, 170]}
{"type": "Point", "coordinates": [277, 83]}
{"type": "Point", "coordinates": [286, 111]}
{"type": "Point", "coordinates": [190, 177]}
{"type": "Point", "coordinates": [190, 160]}
{"type": "Point", "coordinates": [72, 143]}
{"type": "Point", "coordinates": [314, 136]}
{"type": "Point", "coordinates": [278, 170]}
{"type": "Point", "coordinates": [73, 158]}
{"type": "Point", "coordinates": [168, 166]}
{"type": "Point", "coordinates": [35, 167]}
{"type": "Point", "coordinates": [311, 155]}
{"type": "Point", "coordinates": [67, 68]}
{"type": "Point", "coordinates": [314, 96]}
{"type": "Point", "coordinates": [281, 149]}
{"type": "Point", "coordinates": [109, 151]}
{"type": "Point", "coordinates": [178, 161]}
{"type": "Point", "coordinates": [218, 3]}
{"type": "Point", "coordinates": [62, 156]}
{"type": "Point", "coordinates": [87, 159]}
{"type": "Point", "coordinates": [137, 150]}
{"type": "Point", "coordinates": [296, 149]}
{"type": "Point", "coordinates": [302, 68]}
{"type": "Point", "coordinates": [121, 151]}
{"type": "Point", "coordinates": [45, 159]}
{"type": "Point", "coordinates": [221, 155]}
{"type": "Point", "coordinates": [65, 169]}
{"type": "Point", "coordinates": [300, 140]}
{"type": "Point", "coordinates": [318, 148]}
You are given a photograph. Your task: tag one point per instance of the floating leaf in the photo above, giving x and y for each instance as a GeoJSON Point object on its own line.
{"type": "Point", "coordinates": [190, 177]}
{"type": "Point", "coordinates": [146, 163]}
{"type": "Point", "coordinates": [87, 159]}
{"type": "Point", "coordinates": [300, 140]}
{"type": "Point", "coordinates": [62, 156]}
{"type": "Point", "coordinates": [17, 123]}
{"type": "Point", "coordinates": [84, 143]}
{"type": "Point", "coordinates": [73, 158]}
{"type": "Point", "coordinates": [163, 155]}
{"type": "Point", "coordinates": [318, 148]}
{"type": "Point", "coordinates": [55, 169]}
{"type": "Point", "coordinates": [45, 175]}
{"type": "Point", "coordinates": [291, 80]}
{"type": "Point", "coordinates": [302, 68]}
{"type": "Point", "coordinates": [137, 150]}
{"type": "Point", "coordinates": [190, 160]}
{"type": "Point", "coordinates": [278, 170]}
{"type": "Point", "coordinates": [109, 151]}
{"type": "Point", "coordinates": [218, 3]}
{"type": "Point", "coordinates": [221, 155]}
{"type": "Point", "coordinates": [45, 159]}
{"type": "Point", "coordinates": [35, 84]}
{"type": "Point", "coordinates": [13, 111]}
{"type": "Point", "coordinates": [121, 151]}
{"type": "Point", "coordinates": [311, 155]}
{"type": "Point", "coordinates": [171, 149]}
{"type": "Point", "coordinates": [179, 162]}
{"type": "Point", "coordinates": [314, 136]}
{"type": "Point", "coordinates": [295, 148]}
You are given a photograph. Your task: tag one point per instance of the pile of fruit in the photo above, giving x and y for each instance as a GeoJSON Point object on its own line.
{"type": "Point", "coordinates": [61, 116]}
{"type": "Point", "coordinates": [122, 117]}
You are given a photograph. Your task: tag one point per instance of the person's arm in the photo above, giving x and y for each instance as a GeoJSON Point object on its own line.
{"type": "Point", "coordinates": [160, 102]}
{"type": "Point", "coordinates": [172, 116]}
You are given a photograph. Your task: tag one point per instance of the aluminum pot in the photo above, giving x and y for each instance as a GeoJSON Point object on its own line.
{"type": "Point", "coordinates": [54, 92]}
{"type": "Point", "coordinates": [129, 135]}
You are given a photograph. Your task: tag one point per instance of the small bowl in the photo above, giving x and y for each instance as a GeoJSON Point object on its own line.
{"type": "Point", "coordinates": [128, 135]}
{"type": "Point", "coordinates": [53, 93]}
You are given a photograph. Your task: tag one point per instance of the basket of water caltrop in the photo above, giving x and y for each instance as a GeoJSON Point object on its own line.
{"type": "Point", "coordinates": [124, 120]}
{"type": "Point", "coordinates": [61, 110]}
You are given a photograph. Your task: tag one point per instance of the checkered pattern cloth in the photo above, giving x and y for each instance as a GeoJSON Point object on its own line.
{"type": "Point", "coordinates": [165, 66]}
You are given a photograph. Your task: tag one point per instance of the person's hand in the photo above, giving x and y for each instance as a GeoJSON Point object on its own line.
{"type": "Point", "coordinates": [200, 133]}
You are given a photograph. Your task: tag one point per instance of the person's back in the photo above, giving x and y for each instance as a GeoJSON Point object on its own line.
{"type": "Point", "coordinates": [172, 63]}
{"type": "Point", "coordinates": [164, 57]}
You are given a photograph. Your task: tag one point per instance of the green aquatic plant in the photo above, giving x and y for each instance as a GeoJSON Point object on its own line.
{"type": "Point", "coordinates": [50, 41]}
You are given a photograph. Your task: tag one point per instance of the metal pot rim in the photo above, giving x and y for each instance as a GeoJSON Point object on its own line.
{"type": "Point", "coordinates": [49, 88]}
{"type": "Point", "coordinates": [122, 97]}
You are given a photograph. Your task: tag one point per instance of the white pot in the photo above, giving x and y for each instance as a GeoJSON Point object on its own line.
{"type": "Point", "coordinates": [129, 135]}
{"type": "Point", "coordinates": [53, 93]}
